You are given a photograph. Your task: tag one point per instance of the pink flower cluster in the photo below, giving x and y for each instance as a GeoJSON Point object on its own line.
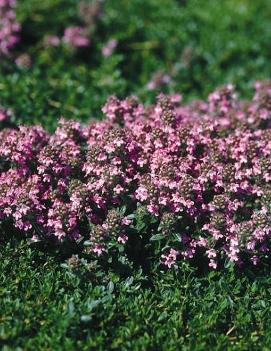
{"type": "Point", "coordinates": [202, 171]}
{"type": "Point", "coordinates": [158, 80]}
{"type": "Point", "coordinates": [9, 27]}
{"type": "Point", "coordinates": [74, 36]}
{"type": "Point", "coordinates": [79, 36]}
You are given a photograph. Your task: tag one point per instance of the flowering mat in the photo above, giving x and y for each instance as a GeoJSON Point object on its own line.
{"type": "Point", "coordinates": [185, 180]}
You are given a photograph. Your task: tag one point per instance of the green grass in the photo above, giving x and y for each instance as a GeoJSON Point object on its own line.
{"type": "Point", "coordinates": [45, 306]}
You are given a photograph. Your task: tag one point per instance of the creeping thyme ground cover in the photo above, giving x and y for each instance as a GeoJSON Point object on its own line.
{"type": "Point", "coordinates": [194, 178]}
{"type": "Point", "coordinates": [144, 206]}
{"type": "Point", "coordinates": [135, 223]}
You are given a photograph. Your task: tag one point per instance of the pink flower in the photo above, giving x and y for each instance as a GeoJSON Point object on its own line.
{"type": "Point", "coordinates": [118, 189]}
{"type": "Point", "coordinates": [157, 80]}
{"type": "Point", "coordinates": [122, 238]}
{"type": "Point", "coordinates": [109, 47]}
{"type": "Point", "coordinates": [98, 249]}
{"type": "Point", "coordinates": [170, 259]}
{"type": "Point", "coordinates": [76, 37]}
{"type": "Point", "coordinates": [52, 40]}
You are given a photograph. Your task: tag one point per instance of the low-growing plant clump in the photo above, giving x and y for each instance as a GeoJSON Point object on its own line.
{"type": "Point", "coordinates": [172, 180]}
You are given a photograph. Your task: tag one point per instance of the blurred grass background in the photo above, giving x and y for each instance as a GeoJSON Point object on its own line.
{"type": "Point", "coordinates": [199, 44]}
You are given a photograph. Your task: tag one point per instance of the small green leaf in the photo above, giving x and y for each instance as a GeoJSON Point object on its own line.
{"type": "Point", "coordinates": [86, 318]}
{"type": "Point", "coordinates": [110, 287]}
{"type": "Point", "coordinates": [157, 237]}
